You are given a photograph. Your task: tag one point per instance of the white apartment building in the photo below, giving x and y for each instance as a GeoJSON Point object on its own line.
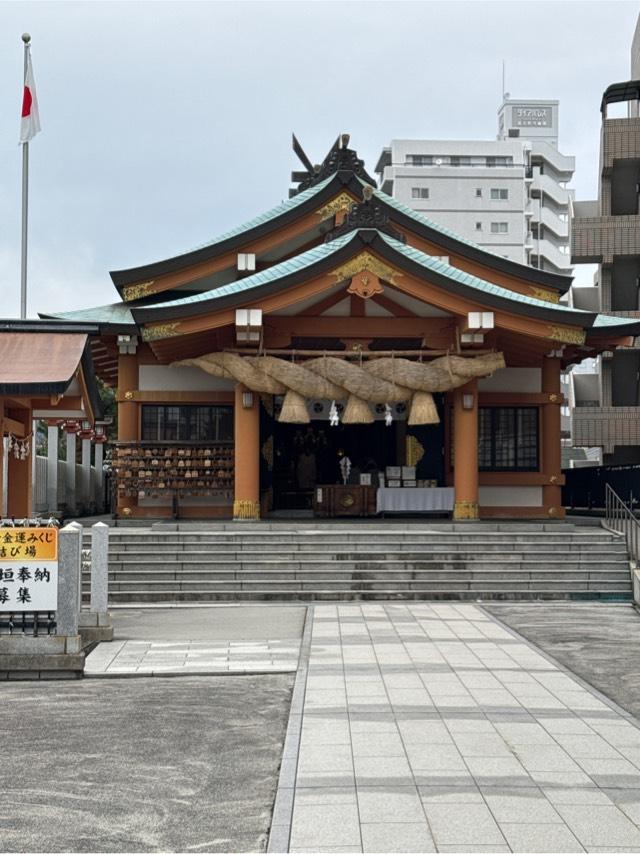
{"type": "Point", "coordinates": [508, 195]}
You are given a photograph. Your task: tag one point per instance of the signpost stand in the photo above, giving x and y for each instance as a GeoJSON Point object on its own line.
{"type": "Point", "coordinates": [39, 604]}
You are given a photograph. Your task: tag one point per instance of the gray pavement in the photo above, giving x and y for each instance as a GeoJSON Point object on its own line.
{"type": "Point", "coordinates": [598, 641]}
{"type": "Point", "coordinates": [430, 727]}
{"type": "Point", "coordinates": [141, 764]}
{"type": "Point", "coordinates": [200, 641]}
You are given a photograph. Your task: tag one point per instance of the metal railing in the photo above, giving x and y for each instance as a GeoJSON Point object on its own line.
{"type": "Point", "coordinates": [621, 519]}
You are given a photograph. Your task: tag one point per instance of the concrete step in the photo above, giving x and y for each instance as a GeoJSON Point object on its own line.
{"type": "Point", "coordinates": [133, 597]}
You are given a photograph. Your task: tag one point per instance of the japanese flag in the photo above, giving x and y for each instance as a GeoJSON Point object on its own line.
{"type": "Point", "coordinates": [30, 121]}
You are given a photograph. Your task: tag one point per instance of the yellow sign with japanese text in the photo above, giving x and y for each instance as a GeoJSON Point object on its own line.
{"type": "Point", "coordinates": [21, 544]}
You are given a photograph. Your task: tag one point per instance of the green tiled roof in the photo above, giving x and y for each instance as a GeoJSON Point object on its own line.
{"type": "Point", "coordinates": [280, 209]}
{"type": "Point", "coordinates": [604, 320]}
{"type": "Point", "coordinates": [429, 262]}
{"type": "Point", "coordinates": [271, 274]}
{"type": "Point", "coordinates": [116, 313]}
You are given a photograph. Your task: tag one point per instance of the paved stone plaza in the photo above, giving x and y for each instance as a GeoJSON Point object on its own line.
{"type": "Point", "coordinates": [431, 727]}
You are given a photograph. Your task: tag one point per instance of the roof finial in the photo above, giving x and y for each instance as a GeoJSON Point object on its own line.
{"type": "Point", "coordinates": [367, 192]}
{"type": "Point", "coordinates": [344, 140]}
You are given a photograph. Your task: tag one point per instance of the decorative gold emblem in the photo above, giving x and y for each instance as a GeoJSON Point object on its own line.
{"type": "Point", "coordinates": [544, 294]}
{"type": "Point", "coordinates": [552, 511]}
{"type": "Point", "coordinates": [341, 203]}
{"type": "Point", "coordinates": [555, 398]}
{"type": "Point", "coordinates": [128, 395]}
{"type": "Point", "coordinates": [414, 451]}
{"type": "Point", "coordinates": [347, 500]}
{"type": "Point", "coordinates": [365, 261]}
{"type": "Point", "coordinates": [132, 292]}
{"type": "Point", "coordinates": [162, 330]}
{"type": "Point", "coordinates": [567, 334]}
{"type": "Point", "coordinates": [553, 478]}
{"type": "Point", "coordinates": [126, 511]}
{"type": "Point", "coordinates": [365, 285]}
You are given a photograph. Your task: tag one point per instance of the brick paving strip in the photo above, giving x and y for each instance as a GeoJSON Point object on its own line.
{"type": "Point", "coordinates": [191, 658]}
{"type": "Point", "coordinates": [420, 727]}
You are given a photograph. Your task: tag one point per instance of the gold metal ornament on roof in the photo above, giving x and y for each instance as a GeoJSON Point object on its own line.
{"type": "Point", "coordinates": [365, 261]}
{"type": "Point", "coordinates": [341, 203]}
{"type": "Point", "coordinates": [143, 289]}
{"type": "Point", "coordinates": [567, 335]}
{"type": "Point", "coordinates": [162, 330]}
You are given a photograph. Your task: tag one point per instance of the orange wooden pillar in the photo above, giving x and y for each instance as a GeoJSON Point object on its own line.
{"type": "Point", "coordinates": [127, 416]}
{"type": "Point", "coordinates": [551, 437]}
{"type": "Point", "coordinates": [246, 498]}
{"type": "Point", "coordinates": [19, 472]}
{"type": "Point", "coordinates": [465, 439]}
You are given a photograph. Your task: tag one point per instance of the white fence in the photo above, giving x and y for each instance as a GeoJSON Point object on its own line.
{"type": "Point", "coordinates": [67, 495]}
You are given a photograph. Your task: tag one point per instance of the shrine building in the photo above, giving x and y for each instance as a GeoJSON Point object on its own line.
{"type": "Point", "coordinates": [343, 355]}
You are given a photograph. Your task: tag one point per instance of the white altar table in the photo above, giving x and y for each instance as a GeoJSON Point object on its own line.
{"type": "Point", "coordinates": [415, 499]}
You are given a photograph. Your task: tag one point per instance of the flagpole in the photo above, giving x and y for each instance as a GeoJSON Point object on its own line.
{"type": "Point", "coordinates": [26, 38]}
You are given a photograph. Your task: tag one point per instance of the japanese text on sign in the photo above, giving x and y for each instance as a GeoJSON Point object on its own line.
{"type": "Point", "coordinates": [28, 569]}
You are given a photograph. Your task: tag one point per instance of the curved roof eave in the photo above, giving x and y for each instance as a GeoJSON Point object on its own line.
{"type": "Point", "coordinates": [606, 325]}
{"type": "Point", "coordinates": [321, 259]}
{"type": "Point", "coordinates": [269, 221]}
{"type": "Point", "coordinates": [430, 230]}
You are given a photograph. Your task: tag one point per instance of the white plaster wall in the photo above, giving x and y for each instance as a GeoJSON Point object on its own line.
{"type": "Point", "coordinates": [166, 378]}
{"type": "Point", "coordinates": [523, 380]}
{"type": "Point", "coordinates": [510, 496]}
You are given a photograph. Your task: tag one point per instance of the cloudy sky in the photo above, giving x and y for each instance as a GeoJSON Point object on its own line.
{"type": "Point", "coordinates": [167, 123]}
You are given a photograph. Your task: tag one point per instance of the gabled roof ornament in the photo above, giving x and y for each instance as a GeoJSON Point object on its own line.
{"type": "Point", "coordinates": [339, 158]}
{"type": "Point", "coordinates": [368, 213]}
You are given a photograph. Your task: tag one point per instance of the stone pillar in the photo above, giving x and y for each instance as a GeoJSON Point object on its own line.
{"type": "Point", "coordinates": [71, 494]}
{"type": "Point", "coordinates": [246, 504]}
{"type": "Point", "coordinates": [20, 491]}
{"type": "Point", "coordinates": [95, 624]}
{"type": "Point", "coordinates": [85, 490]}
{"type": "Point", "coordinates": [52, 468]}
{"type": "Point", "coordinates": [465, 444]}
{"type": "Point", "coordinates": [127, 416]}
{"type": "Point", "coordinates": [98, 449]}
{"type": "Point", "coordinates": [551, 437]}
{"type": "Point", "coordinates": [69, 556]}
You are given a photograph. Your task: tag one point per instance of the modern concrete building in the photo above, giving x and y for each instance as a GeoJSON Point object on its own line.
{"type": "Point", "coordinates": [507, 195]}
{"type": "Point", "coordinates": [606, 403]}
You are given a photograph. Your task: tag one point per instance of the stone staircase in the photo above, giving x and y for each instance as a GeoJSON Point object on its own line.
{"type": "Point", "coordinates": [365, 560]}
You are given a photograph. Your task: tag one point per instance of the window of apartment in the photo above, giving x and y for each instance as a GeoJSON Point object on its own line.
{"type": "Point", "coordinates": [499, 161]}
{"type": "Point", "coordinates": [508, 438]}
{"type": "Point", "coordinates": [457, 160]}
{"type": "Point", "coordinates": [419, 160]}
{"type": "Point", "coordinates": [499, 228]}
{"type": "Point", "coordinates": [478, 226]}
{"type": "Point", "coordinates": [478, 192]}
{"type": "Point", "coordinates": [498, 194]}
{"type": "Point", "coordinates": [419, 192]}
{"type": "Point", "coordinates": [187, 423]}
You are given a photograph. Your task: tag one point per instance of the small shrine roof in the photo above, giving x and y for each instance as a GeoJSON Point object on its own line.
{"type": "Point", "coordinates": [114, 314]}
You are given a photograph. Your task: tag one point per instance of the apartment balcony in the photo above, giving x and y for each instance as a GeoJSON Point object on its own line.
{"type": "Point", "coordinates": [598, 239]}
{"type": "Point", "coordinates": [605, 426]}
{"type": "Point", "coordinates": [545, 184]}
{"type": "Point", "coordinates": [554, 223]}
{"type": "Point", "coordinates": [564, 165]}
{"type": "Point", "coordinates": [550, 252]}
